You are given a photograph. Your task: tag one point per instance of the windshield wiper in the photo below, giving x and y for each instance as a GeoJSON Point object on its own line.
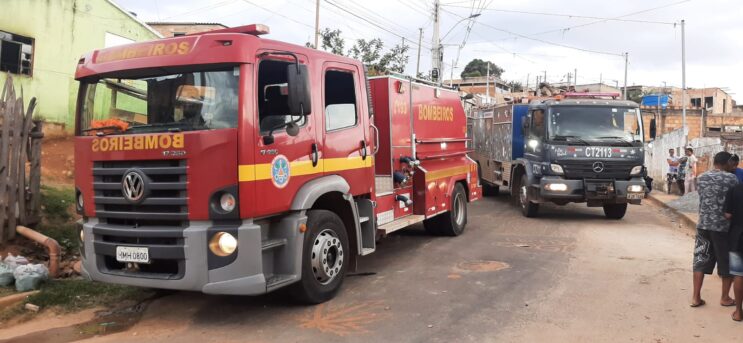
{"type": "Point", "coordinates": [100, 133]}
{"type": "Point", "coordinates": [618, 138]}
{"type": "Point", "coordinates": [567, 137]}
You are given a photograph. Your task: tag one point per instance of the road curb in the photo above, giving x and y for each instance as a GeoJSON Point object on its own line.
{"type": "Point", "coordinates": [690, 223]}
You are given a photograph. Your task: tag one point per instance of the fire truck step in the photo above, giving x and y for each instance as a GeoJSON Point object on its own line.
{"type": "Point", "coordinates": [278, 280]}
{"type": "Point", "coordinates": [363, 220]}
{"type": "Point", "coordinates": [367, 251]}
{"type": "Point", "coordinates": [401, 223]}
{"type": "Point", "coordinates": [273, 243]}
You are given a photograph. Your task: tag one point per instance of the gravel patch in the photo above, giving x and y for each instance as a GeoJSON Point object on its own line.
{"type": "Point", "coordinates": [687, 203]}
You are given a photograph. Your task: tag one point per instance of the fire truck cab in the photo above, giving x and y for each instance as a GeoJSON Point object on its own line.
{"type": "Point", "coordinates": [227, 163]}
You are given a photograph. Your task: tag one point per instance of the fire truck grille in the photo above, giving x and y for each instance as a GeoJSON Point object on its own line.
{"type": "Point", "coordinates": [618, 170]}
{"type": "Point", "coordinates": [165, 203]}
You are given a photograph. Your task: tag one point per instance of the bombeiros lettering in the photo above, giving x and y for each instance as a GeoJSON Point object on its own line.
{"type": "Point", "coordinates": [435, 112]}
{"type": "Point", "coordinates": [130, 143]}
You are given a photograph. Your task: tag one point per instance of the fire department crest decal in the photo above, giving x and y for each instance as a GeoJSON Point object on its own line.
{"type": "Point", "coordinates": [280, 171]}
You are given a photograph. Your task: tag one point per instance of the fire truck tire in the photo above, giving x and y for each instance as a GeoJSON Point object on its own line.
{"type": "Point", "coordinates": [325, 260]}
{"type": "Point", "coordinates": [453, 222]}
{"type": "Point", "coordinates": [528, 208]}
{"type": "Point", "coordinates": [615, 211]}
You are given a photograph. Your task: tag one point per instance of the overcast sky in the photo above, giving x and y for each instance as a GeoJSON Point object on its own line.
{"type": "Point", "coordinates": [522, 44]}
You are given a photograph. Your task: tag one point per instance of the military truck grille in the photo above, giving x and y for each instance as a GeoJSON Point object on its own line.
{"type": "Point", "coordinates": [165, 205]}
{"type": "Point", "coordinates": [584, 169]}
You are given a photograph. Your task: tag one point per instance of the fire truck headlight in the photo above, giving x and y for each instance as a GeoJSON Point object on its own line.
{"type": "Point", "coordinates": [556, 168]}
{"type": "Point", "coordinates": [227, 202]}
{"type": "Point", "coordinates": [82, 235]}
{"type": "Point", "coordinates": [636, 170]}
{"type": "Point", "coordinates": [223, 244]}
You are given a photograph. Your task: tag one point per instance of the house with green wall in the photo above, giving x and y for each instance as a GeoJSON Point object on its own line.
{"type": "Point", "coordinates": [42, 40]}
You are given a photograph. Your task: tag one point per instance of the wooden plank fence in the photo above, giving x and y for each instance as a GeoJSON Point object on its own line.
{"type": "Point", "coordinates": [20, 162]}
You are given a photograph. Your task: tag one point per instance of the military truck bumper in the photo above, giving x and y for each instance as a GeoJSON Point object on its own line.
{"type": "Point", "coordinates": [268, 256]}
{"type": "Point", "coordinates": [595, 192]}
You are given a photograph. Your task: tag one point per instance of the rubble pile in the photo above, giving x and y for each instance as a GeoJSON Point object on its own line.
{"type": "Point", "coordinates": [688, 203]}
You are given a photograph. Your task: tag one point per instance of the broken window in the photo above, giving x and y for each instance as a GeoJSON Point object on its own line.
{"type": "Point", "coordinates": [708, 102]}
{"type": "Point", "coordinates": [16, 53]}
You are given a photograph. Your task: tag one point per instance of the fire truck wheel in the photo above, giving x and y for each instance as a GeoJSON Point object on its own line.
{"type": "Point", "coordinates": [325, 258]}
{"type": "Point", "coordinates": [615, 211]}
{"type": "Point", "coordinates": [528, 208]}
{"type": "Point", "coordinates": [450, 223]}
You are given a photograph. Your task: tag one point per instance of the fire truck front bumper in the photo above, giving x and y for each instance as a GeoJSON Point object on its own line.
{"type": "Point", "coordinates": [181, 259]}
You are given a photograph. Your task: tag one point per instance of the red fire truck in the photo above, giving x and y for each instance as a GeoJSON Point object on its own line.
{"type": "Point", "coordinates": [231, 164]}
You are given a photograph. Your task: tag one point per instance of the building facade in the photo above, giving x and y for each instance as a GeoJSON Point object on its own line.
{"type": "Point", "coordinates": [41, 42]}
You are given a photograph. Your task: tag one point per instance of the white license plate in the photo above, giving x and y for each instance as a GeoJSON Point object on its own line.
{"type": "Point", "coordinates": [132, 254]}
{"type": "Point", "coordinates": [635, 196]}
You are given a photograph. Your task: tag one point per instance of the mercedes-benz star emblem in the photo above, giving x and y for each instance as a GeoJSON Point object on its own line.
{"type": "Point", "coordinates": [598, 167]}
{"type": "Point", "coordinates": [132, 186]}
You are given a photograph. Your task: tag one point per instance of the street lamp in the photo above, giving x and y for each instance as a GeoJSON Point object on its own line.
{"type": "Point", "coordinates": [457, 23]}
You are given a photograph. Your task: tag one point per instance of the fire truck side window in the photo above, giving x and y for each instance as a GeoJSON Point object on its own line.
{"type": "Point", "coordinates": [340, 100]}
{"type": "Point", "coordinates": [273, 96]}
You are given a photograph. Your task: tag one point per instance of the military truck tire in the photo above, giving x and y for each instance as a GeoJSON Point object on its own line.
{"type": "Point", "coordinates": [615, 211]}
{"type": "Point", "coordinates": [528, 208]}
{"type": "Point", "coordinates": [325, 258]}
{"type": "Point", "coordinates": [453, 222]}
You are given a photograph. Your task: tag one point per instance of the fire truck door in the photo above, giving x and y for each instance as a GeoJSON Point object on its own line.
{"type": "Point", "coordinates": [346, 149]}
{"type": "Point", "coordinates": [284, 165]}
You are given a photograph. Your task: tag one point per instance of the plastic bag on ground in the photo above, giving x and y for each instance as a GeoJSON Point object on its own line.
{"type": "Point", "coordinates": [29, 277]}
{"type": "Point", "coordinates": [6, 275]}
{"type": "Point", "coordinates": [14, 261]}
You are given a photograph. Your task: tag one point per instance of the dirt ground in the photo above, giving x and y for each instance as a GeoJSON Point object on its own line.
{"type": "Point", "coordinates": [568, 276]}
{"type": "Point", "coordinates": [58, 161]}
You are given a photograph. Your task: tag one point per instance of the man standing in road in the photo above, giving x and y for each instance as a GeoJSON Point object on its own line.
{"type": "Point", "coordinates": [691, 171]}
{"type": "Point", "coordinates": [733, 167]}
{"type": "Point", "coordinates": [711, 246]}
{"type": "Point", "coordinates": [734, 212]}
{"type": "Point", "coordinates": [673, 169]}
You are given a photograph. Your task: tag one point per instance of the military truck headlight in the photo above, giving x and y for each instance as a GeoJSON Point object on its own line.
{"type": "Point", "coordinates": [223, 244]}
{"type": "Point", "coordinates": [227, 202]}
{"type": "Point", "coordinates": [533, 143]}
{"type": "Point", "coordinates": [636, 170]}
{"type": "Point", "coordinates": [556, 187]}
{"type": "Point", "coordinates": [635, 189]}
{"type": "Point", "coordinates": [556, 168]}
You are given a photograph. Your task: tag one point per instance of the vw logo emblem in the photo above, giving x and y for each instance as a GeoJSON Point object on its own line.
{"type": "Point", "coordinates": [598, 167]}
{"type": "Point", "coordinates": [132, 186]}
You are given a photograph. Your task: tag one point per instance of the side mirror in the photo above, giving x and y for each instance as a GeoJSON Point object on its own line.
{"type": "Point", "coordinates": [468, 96]}
{"type": "Point", "coordinates": [299, 97]}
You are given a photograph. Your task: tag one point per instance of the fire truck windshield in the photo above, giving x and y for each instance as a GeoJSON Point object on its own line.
{"type": "Point", "coordinates": [199, 100]}
{"type": "Point", "coordinates": [595, 123]}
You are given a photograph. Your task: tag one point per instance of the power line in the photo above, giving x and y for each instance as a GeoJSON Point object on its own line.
{"type": "Point", "coordinates": [542, 40]}
{"type": "Point", "coordinates": [573, 15]}
{"type": "Point", "coordinates": [279, 14]}
{"type": "Point", "coordinates": [199, 9]}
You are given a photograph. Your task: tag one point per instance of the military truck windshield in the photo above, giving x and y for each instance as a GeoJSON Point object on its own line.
{"type": "Point", "coordinates": [595, 123]}
{"type": "Point", "coordinates": [199, 100]}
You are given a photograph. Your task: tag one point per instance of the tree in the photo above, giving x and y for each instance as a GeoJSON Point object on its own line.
{"type": "Point", "coordinates": [515, 86]}
{"type": "Point", "coordinates": [332, 41]}
{"type": "Point", "coordinates": [395, 60]}
{"type": "Point", "coordinates": [478, 67]}
{"type": "Point", "coordinates": [368, 51]}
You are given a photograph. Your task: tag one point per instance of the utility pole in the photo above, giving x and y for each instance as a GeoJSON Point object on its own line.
{"type": "Point", "coordinates": [545, 77]}
{"type": "Point", "coordinates": [487, 84]}
{"type": "Point", "coordinates": [569, 79]}
{"type": "Point", "coordinates": [683, 78]}
{"type": "Point", "coordinates": [317, 24]}
{"type": "Point", "coordinates": [626, 63]}
{"type": "Point", "coordinates": [526, 88]}
{"type": "Point", "coordinates": [575, 79]}
{"type": "Point", "coordinates": [436, 57]}
{"type": "Point", "coordinates": [418, 63]}
{"type": "Point", "coordinates": [451, 78]}
{"type": "Point", "coordinates": [601, 79]}
{"type": "Point", "coordinates": [538, 91]}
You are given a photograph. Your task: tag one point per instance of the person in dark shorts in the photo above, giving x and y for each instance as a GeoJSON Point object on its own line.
{"type": "Point", "coordinates": [734, 212]}
{"type": "Point", "coordinates": [711, 245]}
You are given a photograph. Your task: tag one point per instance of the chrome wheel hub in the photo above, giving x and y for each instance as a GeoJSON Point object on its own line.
{"type": "Point", "coordinates": [459, 209]}
{"type": "Point", "coordinates": [327, 256]}
{"type": "Point", "coordinates": [523, 196]}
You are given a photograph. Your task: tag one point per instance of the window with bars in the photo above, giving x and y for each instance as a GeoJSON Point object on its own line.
{"type": "Point", "coordinates": [16, 53]}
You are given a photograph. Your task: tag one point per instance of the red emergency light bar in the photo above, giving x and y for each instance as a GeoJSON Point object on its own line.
{"type": "Point", "coordinates": [253, 29]}
{"type": "Point", "coordinates": [592, 95]}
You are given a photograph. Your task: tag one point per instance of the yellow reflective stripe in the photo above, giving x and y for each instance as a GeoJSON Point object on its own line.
{"type": "Point", "coordinates": [448, 172]}
{"type": "Point", "coordinates": [246, 172]}
{"type": "Point", "coordinates": [338, 164]}
{"type": "Point", "coordinates": [257, 172]}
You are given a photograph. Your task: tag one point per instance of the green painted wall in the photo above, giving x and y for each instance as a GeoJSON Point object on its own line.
{"type": "Point", "coordinates": [63, 30]}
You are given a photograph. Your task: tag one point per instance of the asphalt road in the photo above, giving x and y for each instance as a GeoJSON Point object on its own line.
{"type": "Point", "coordinates": [568, 276]}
